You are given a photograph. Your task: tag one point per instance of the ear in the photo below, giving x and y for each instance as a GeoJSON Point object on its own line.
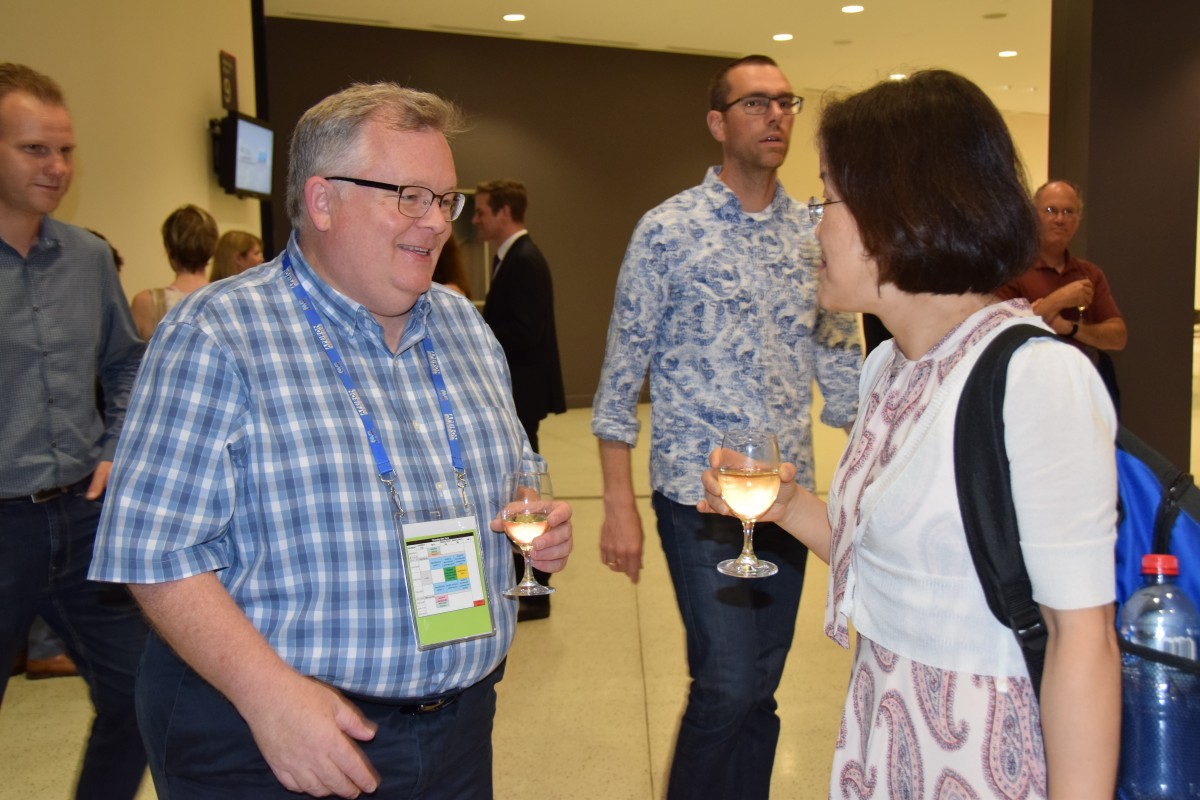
{"type": "Point", "coordinates": [716, 125]}
{"type": "Point", "coordinates": [319, 200]}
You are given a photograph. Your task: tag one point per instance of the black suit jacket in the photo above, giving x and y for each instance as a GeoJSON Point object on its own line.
{"type": "Point", "coordinates": [520, 310]}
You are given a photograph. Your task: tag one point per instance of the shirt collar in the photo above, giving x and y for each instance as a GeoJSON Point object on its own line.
{"type": "Point", "coordinates": [728, 207]}
{"type": "Point", "coordinates": [349, 315]}
{"type": "Point", "coordinates": [49, 236]}
{"type": "Point", "coordinates": [507, 244]}
{"type": "Point", "coordinates": [1042, 264]}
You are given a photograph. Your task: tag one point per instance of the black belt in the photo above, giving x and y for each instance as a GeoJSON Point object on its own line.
{"type": "Point", "coordinates": [46, 495]}
{"type": "Point", "coordinates": [407, 706]}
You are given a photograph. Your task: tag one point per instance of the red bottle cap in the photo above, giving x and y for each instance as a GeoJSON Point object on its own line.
{"type": "Point", "coordinates": [1160, 564]}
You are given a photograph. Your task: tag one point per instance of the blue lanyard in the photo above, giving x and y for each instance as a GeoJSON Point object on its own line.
{"type": "Point", "coordinates": [387, 475]}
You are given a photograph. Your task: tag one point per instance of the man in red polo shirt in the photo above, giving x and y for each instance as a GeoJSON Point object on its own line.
{"type": "Point", "coordinates": [1070, 294]}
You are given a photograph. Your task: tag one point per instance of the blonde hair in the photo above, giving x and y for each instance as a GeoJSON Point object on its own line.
{"type": "Point", "coordinates": [231, 245]}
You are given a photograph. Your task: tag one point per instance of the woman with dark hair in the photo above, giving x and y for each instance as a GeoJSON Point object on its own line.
{"type": "Point", "coordinates": [926, 213]}
{"type": "Point", "coordinates": [190, 237]}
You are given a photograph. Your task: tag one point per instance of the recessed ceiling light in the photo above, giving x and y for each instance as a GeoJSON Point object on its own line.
{"type": "Point", "coordinates": [851, 9]}
{"type": "Point", "coordinates": [513, 17]}
{"type": "Point", "coordinates": [782, 37]}
{"type": "Point", "coordinates": [897, 76]}
{"type": "Point", "coordinates": [1007, 53]}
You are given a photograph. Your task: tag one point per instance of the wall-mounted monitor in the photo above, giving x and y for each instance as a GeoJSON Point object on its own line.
{"type": "Point", "coordinates": [243, 148]}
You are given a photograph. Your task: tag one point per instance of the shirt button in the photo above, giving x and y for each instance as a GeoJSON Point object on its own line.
{"type": "Point", "coordinates": [440, 486]}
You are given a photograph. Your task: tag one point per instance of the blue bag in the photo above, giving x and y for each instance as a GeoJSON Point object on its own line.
{"type": "Point", "coordinates": [1159, 510]}
{"type": "Point", "coordinates": [1159, 513]}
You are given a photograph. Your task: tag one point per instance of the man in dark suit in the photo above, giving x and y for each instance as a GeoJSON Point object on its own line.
{"type": "Point", "coordinates": [520, 310]}
{"type": "Point", "coordinates": [520, 304]}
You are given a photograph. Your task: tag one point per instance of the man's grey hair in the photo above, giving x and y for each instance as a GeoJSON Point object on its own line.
{"type": "Point", "coordinates": [326, 138]}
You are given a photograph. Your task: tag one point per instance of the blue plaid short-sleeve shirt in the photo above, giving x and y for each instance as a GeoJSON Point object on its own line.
{"type": "Point", "coordinates": [242, 455]}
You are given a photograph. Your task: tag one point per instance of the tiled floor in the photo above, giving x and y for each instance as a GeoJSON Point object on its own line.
{"type": "Point", "coordinates": [592, 696]}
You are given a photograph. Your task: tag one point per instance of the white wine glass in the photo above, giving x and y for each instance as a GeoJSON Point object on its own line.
{"type": "Point", "coordinates": [749, 476]}
{"type": "Point", "coordinates": [527, 499]}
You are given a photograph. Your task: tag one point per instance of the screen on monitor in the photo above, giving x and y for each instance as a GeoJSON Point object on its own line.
{"type": "Point", "coordinates": [244, 150]}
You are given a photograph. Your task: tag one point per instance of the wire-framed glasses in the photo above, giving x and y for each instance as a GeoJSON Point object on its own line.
{"type": "Point", "coordinates": [816, 208]}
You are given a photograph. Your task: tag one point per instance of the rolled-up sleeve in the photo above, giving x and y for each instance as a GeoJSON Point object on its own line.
{"type": "Point", "coordinates": [638, 306]}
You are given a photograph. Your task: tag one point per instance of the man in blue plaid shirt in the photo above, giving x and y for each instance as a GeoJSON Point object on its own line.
{"type": "Point", "coordinates": [292, 432]}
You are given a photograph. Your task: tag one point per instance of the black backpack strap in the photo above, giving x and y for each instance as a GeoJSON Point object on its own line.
{"type": "Point", "coordinates": [985, 497]}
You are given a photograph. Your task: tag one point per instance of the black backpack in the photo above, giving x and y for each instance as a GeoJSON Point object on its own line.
{"type": "Point", "coordinates": [1159, 509]}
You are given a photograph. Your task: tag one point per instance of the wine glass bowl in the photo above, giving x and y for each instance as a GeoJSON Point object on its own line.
{"type": "Point", "coordinates": [527, 500]}
{"type": "Point", "coordinates": [748, 473]}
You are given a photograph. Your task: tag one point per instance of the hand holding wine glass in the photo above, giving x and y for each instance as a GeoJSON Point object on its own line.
{"type": "Point", "coordinates": [748, 474]}
{"type": "Point", "coordinates": [526, 511]}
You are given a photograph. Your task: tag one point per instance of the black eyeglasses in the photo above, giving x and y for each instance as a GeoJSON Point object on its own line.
{"type": "Point", "coordinates": [414, 201]}
{"type": "Point", "coordinates": [816, 208]}
{"type": "Point", "coordinates": [759, 104]}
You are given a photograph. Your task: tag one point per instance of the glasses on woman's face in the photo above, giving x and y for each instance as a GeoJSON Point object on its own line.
{"type": "Point", "coordinates": [816, 208]}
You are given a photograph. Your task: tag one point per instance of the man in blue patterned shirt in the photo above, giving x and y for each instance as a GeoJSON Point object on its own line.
{"type": "Point", "coordinates": [314, 458]}
{"type": "Point", "coordinates": [717, 299]}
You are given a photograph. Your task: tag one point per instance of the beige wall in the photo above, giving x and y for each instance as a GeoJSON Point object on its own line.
{"type": "Point", "coordinates": [800, 173]}
{"type": "Point", "coordinates": [142, 80]}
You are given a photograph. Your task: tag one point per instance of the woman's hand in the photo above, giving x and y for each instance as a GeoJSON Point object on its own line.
{"type": "Point", "coordinates": [797, 510]}
{"type": "Point", "coordinates": [713, 504]}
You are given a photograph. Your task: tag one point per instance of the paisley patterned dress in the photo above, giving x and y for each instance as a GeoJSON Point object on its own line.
{"type": "Point", "coordinates": [910, 730]}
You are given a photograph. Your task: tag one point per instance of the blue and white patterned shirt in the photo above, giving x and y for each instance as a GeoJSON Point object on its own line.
{"type": "Point", "coordinates": [720, 305]}
{"type": "Point", "coordinates": [242, 455]}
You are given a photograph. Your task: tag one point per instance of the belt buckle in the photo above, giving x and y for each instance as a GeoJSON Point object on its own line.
{"type": "Point", "coordinates": [436, 705]}
{"type": "Point", "coordinates": [46, 495]}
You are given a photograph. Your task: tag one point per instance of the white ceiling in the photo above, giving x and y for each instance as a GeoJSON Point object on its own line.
{"type": "Point", "coordinates": [830, 49]}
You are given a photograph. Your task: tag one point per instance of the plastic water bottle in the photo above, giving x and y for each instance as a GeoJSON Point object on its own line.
{"type": "Point", "coordinates": [1160, 704]}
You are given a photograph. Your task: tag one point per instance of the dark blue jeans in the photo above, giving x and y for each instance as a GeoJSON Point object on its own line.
{"type": "Point", "coordinates": [201, 749]}
{"type": "Point", "coordinates": [45, 552]}
{"type": "Point", "coordinates": [739, 632]}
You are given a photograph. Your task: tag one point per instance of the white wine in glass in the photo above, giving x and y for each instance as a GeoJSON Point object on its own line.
{"type": "Point", "coordinates": [528, 496]}
{"type": "Point", "coordinates": [749, 478]}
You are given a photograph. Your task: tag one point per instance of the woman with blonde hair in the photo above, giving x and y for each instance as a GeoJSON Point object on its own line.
{"type": "Point", "coordinates": [237, 251]}
{"type": "Point", "coordinates": [190, 237]}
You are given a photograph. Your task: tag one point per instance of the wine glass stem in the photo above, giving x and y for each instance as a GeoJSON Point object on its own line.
{"type": "Point", "coordinates": [528, 579]}
{"type": "Point", "coordinates": [748, 540]}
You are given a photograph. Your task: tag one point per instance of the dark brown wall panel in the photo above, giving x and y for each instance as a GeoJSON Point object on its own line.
{"type": "Point", "coordinates": [598, 135]}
